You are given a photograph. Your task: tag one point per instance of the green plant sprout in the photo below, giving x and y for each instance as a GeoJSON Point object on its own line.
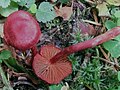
{"type": "Point", "coordinates": [3, 56]}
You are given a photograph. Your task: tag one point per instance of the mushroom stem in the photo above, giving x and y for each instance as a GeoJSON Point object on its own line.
{"type": "Point", "coordinates": [87, 44]}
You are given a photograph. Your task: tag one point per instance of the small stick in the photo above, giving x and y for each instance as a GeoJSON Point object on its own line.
{"type": "Point", "coordinates": [105, 55]}
{"type": "Point", "coordinates": [105, 60]}
{"type": "Point", "coordinates": [116, 61]}
{"type": "Point", "coordinates": [92, 22]}
{"type": "Point", "coordinates": [94, 15]}
{"type": "Point", "coordinates": [89, 1]}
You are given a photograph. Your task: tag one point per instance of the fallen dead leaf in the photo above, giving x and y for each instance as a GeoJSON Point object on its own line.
{"type": "Point", "coordinates": [114, 2]}
{"type": "Point", "coordinates": [92, 30]}
{"type": "Point", "coordinates": [64, 12]}
{"type": "Point", "coordinates": [86, 28]}
{"type": "Point", "coordinates": [103, 9]}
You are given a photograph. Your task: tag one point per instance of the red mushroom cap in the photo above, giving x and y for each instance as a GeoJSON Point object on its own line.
{"type": "Point", "coordinates": [52, 73]}
{"type": "Point", "coordinates": [21, 30]}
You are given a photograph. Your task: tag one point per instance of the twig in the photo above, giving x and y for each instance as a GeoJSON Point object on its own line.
{"type": "Point", "coordinates": [116, 61]}
{"type": "Point", "coordinates": [89, 1]}
{"type": "Point", "coordinates": [92, 22]}
{"type": "Point", "coordinates": [103, 29]}
{"type": "Point", "coordinates": [112, 63]}
{"type": "Point", "coordinates": [105, 55]}
{"type": "Point", "coordinates": [94, 15]}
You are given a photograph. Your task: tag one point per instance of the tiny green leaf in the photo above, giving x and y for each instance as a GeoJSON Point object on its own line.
{"type": "Point", "coordinates": [117, 38]}
{"type": "Point", "coordinates": [33, 8]}
{"type": "Point", "coordinates": [22, 3]}
{"type": "Point", "coordinates": [16, 0]}
{"type": "Point", "coordinates": [55, 87]}
{"type": "Point", "coordinates": [118, 87]}
{"type": "Point", "coordinates": [113, 47]}
{"type": "Point", "coordinates": [118, 22]}
{"type": "Point", "coordinates": [4, 3]}
{"type": "Point", "coordinates": [0, 60]}
{"type": "Point", "coordinates": [117, 14]}
{"type": "Point", "coordinates": [119, 75]}
{"type": "Point", "coordinates": [10, 9]}
{"type": "Point", "coordinates": [12, 63]}
{"type": "Point", "coordinates": [5, 54]}
{"type": "Point", "coordinates": [110, 24]}
{"type": "Point", "coordinates": [26, 3]}
{"type": "Point", "coordinates": [45, 12]}
{"type": "Point", "coordinates": [113, 10]}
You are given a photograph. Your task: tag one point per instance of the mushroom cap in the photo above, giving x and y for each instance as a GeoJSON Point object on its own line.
{"type": "Point", "coordinates": [21, 30]}
{"type": "Point", "coordinates": [51, 73]}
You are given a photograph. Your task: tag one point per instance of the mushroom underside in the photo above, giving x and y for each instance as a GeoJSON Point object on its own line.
{"type": "Point", "coordinates": [51, 73]}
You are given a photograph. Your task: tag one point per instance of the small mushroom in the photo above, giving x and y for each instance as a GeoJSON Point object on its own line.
{"type": "Point", "coordinates": [44, 69]}
{"type": "Point", "coordinates": [21, 31]}
{"type": "Point", "coordinates": [52, 64]}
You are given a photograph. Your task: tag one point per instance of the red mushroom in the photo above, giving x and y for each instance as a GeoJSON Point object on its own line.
{"type": "Point", "coordinates": [21, 30]}
{"type": "Point", "coordinates": [52, 64]}
{"type": "Point", "coordinates": [51, 73]}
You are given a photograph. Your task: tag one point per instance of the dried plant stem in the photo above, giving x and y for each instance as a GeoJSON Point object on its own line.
{"type": "Point", "coordinates": [105, 55]}
{"type": "Point", "coordinates": [89, 1]}
{"type": "Point", "coordinates": [92, 22]}
{"type": "Point", "coordinates": [116, 61]}
{"type": "Point", "coordinates": [95, 16]}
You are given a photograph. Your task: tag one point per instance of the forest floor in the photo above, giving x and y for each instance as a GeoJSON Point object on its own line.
{"type": "Point", "coordinates": [70, 22]}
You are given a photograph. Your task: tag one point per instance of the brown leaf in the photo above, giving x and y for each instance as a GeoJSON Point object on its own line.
{"type": "Point", "coordinates": [86, 28]}
{"type": "Point", "coordinates": [64, 12]}
{"type": "Point", "coordinates": [92, 30]}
